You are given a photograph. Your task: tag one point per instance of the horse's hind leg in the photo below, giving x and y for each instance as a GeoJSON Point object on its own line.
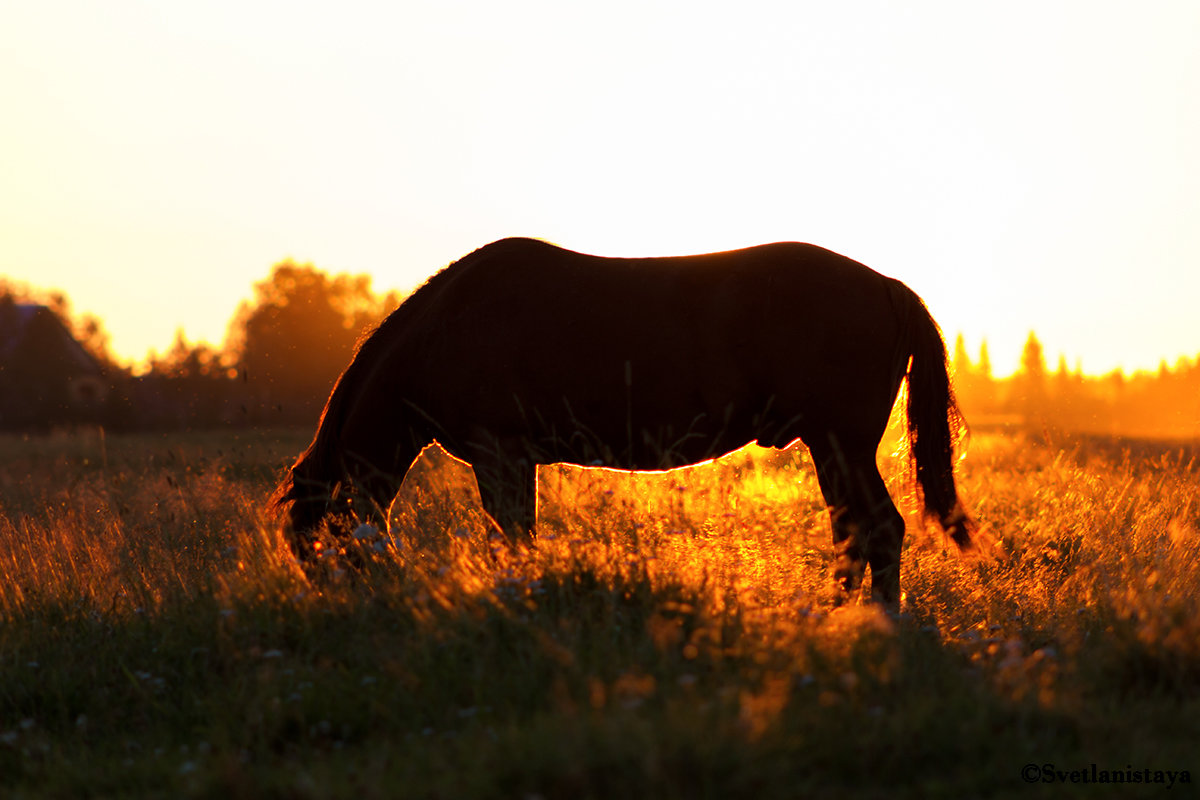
{"type": "Point", "coordinates": [867, 528]}
{"type": "Point", "coordinates": [509, 494]}
{"type": "Point", "coordinates": [884, 543]}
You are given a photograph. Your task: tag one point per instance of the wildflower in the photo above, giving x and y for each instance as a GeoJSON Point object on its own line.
{"type": "Point", "coordinates": [365, 531]}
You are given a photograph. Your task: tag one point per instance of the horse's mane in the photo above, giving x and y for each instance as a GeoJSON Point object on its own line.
{"type": "Point", "coordinates": [317, 464]}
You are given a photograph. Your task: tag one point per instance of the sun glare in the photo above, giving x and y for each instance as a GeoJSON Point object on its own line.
{"type": "Point", "coordinates": [1017, 175]}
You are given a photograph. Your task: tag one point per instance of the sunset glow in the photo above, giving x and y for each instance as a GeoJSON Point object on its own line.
{"type": "Point", "coordinates": [1026, 166]}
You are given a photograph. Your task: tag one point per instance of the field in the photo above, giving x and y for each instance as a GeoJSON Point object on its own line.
{"type": "Point", "coordinates": [672, 635]}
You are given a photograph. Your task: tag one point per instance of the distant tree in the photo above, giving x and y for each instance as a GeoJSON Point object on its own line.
{"type": "Point", "coordinates": [1029, 384]}
{"type": "Point", "coordinates": [1062, 375]}
{"type": "Point", "coordinates": [1115, 382]}
{"type": "Point", "coordinates": [185, 360]}
{"type": "Point", "coordinates": [1070, 406]}
{"type": "Point", "coordinates": [1033, 360]}
{"type": "Point", "coordinates": [966, 378]}
{"type": "Point", "coordinates": [189, 386]}
{"type": "Point", "coordinates": [985, 361]}
{"type": "Point", "coordinates": [974, 387]}
{"type": "Point", "coordinates": [1161, 403]}
{"type": "Point", "coordinates": [961, 362]}
{"type": "Point", "coordinates": [293, 339]}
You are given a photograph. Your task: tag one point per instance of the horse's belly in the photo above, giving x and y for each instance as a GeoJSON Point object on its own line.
{"type": "Point", "coordinates": [623, 442]}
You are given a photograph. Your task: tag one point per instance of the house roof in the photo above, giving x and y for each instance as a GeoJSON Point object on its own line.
{"type": "Point", "coordinates": [17, 319]}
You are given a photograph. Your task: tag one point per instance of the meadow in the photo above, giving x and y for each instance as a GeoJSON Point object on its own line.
{"type": "Point", "coordinates": [671, 636]}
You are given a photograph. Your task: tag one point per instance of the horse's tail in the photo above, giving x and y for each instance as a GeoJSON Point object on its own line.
{"type": "Point", "coordinates": [935, 422]}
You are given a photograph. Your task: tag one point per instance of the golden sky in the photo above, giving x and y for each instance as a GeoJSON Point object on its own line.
{"type": "Point", "coordinates": [1021, 165]}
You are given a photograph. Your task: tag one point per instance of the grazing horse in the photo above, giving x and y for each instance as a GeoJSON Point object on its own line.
{"type": "Point", "coordinates": [523, 353]}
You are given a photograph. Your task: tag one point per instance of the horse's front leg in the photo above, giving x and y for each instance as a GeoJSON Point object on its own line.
{"type": "Point", "coordinates": [508, 490]}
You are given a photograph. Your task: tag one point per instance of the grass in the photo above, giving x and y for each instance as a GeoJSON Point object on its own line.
{"type": "Point", "coordinates": [672, 635]}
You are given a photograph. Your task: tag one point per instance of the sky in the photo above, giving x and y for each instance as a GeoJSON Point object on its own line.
{"type": "Point", "coordinates": [1021, 165]}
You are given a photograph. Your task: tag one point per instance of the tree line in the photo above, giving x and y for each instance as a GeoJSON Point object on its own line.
{"type": "Point", "coordinates": [283, 351]}
{"type": "Point", "coordinates": [287, 344]}
{"type": "Point", "coordinates": [1164, 403]}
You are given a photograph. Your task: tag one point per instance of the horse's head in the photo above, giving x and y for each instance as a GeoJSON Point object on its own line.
{"type": "Point", "coordinates": [304, 506]}
{"type": "Point", "coordinates": [305, 514]}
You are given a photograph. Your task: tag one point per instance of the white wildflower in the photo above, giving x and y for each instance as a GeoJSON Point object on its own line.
{"type": "Point", "coordinates": [365, 531]}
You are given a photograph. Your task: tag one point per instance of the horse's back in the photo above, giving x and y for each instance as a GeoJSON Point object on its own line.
{"type": "Point", "coordinates": [524, 338]}
{"type": "Point", "coordinates": [522, 304]}
{"type": "Point", "coordinates": [537, 285]}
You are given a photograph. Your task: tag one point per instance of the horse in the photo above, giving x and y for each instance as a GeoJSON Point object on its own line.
{"type": "Point", "coordinates": [524, 353]}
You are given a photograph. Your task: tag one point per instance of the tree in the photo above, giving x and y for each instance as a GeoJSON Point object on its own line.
{"type": "Point", "coordinates": [1063, 373]}
{"type": "Point", "coordinates": [962, 362]}
{"type": "Point", "coordinates": [185, 360]}
{"type": "Point", "coordinates": [292, 341]}
{"type": "Point", "coordinates": [985, 361]}
{"type": "Point", "coordinates": [1033, 360]}
{"type": "Point", "coordinates": [1029, 383]}
{"type": "Point", "coordinates": [189, 386]}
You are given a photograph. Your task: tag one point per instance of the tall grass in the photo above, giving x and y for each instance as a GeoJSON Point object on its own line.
{"type": "Point", "coordinates": [670, 636]}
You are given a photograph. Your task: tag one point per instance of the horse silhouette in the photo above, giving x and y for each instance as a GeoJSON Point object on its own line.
{"type": "Point", "coordinates": [524, 353]}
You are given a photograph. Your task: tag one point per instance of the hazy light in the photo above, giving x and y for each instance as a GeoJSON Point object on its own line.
{"type": "Point", "coordinates": [1023, 166]}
